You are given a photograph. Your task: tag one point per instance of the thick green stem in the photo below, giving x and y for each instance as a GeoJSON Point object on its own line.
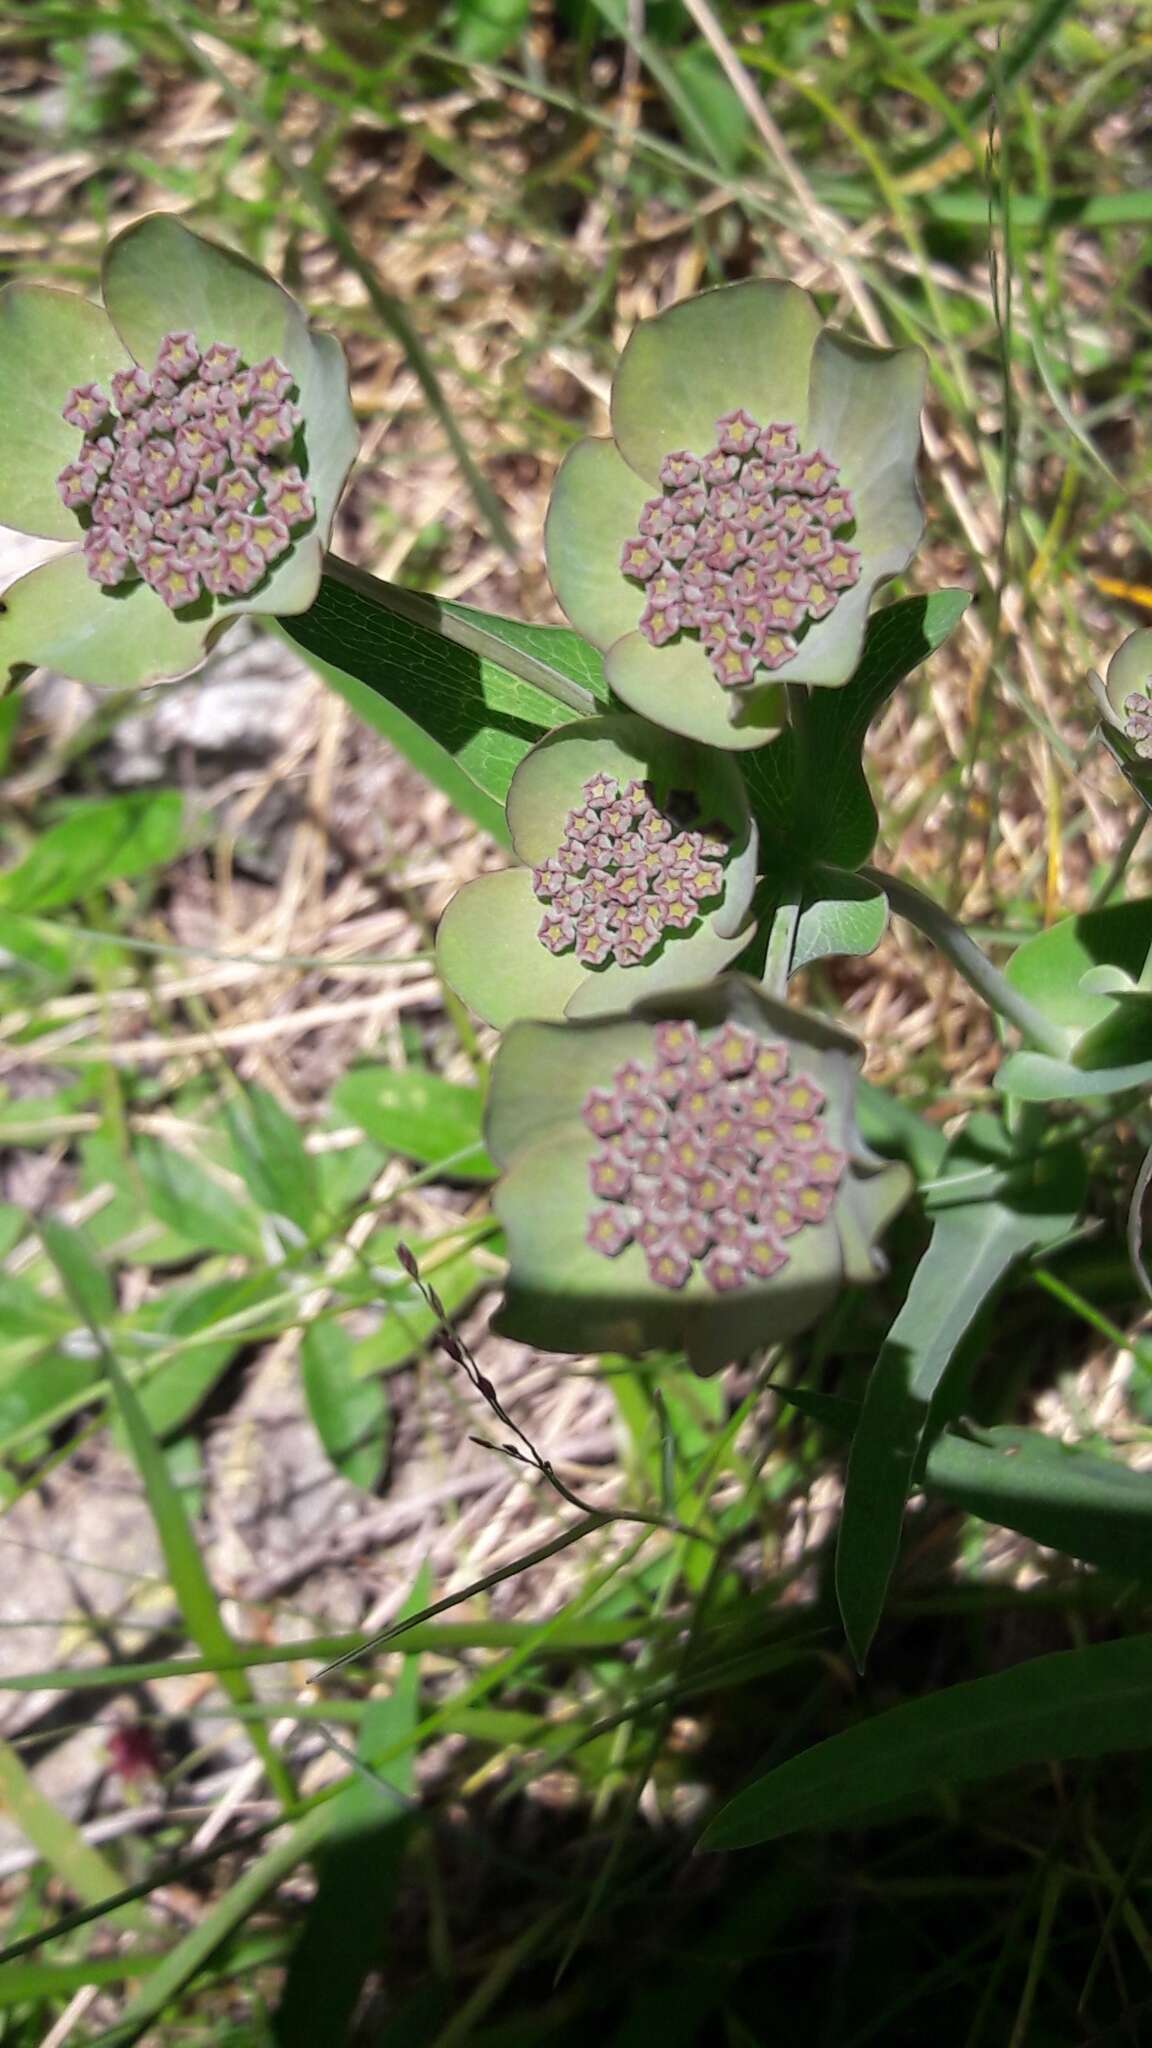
{"type": "Point", "coordinates": [781, 941]}
{"type": "Point", "coordinates": [961, 949]}
{"type": "Point", "coordinates": [420, 609]}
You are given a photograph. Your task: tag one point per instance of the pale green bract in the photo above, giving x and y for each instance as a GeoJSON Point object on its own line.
{"type": "Point", "coordinates": [158, 277]}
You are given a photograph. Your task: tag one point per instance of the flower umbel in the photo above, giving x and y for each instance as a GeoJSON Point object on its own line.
{"type": "Point", "coordinates": [746, 547]}
{"type": "Point", "coordinates": [640, 863]}
{"type": "Point", "coordinates": [687, 1176]}
{"type": "Point", "coordinates": [1124, 699]}
{"type": "Point", "coordinates": [186, 441]}
{"type": "Point", "coordinates": [623, 877]}
{"type": "Point", "coordinates": [179, 478]}
{"type": "Point", "coordinates": [758, 483]}
{"type": "Point", "coordinates": [714, 1157]}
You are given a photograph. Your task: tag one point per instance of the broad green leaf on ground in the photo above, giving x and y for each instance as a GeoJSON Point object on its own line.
{"type": "Point", "coordinates": [458, 714]}
{"type": "Point", "coordinates": [40, 1385]}
{"type": "Point", "coordinates": [420, 1115]}
{"type": "Point", "coordinates": [25, 1311]}
{"type": "Point", "coordinates": [1078, 1703]}
{"type": "Point", "coordinates": [37, 944]}
{"type": "Point", "coordinates": [96, 843]}
{"type": "Point", "coordinates": [78, 1268]}
{"type": "Point", "coordinates": [842, 913]}
{"type": "Point", "coordinates": [271, 1157]}
{"type": "Point", "coordinates": [350, 1415]}
{"type": "Point", "coordinates": [122, 1225]}
{"type": "Point", "coordinates": [186, 1318]}
{"type": "Point", "coordinates": [808, 790]}
{"type": "Point", "coordinates": [197, 1204]}
{"type": "Point", "coordinates": [973, 1246]}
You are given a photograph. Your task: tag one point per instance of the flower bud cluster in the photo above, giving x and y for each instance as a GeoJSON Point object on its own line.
{"type": "Point", "coordinates": [712, 1160]}
{"type": "Point", "coordinates": [182, 478]}
{"type": "Point", "coordinates": [1138, 723]}
{"type": "Point", "coordinates": [624, 876]}
{"type": "Point", "coordinates": [745, 547]}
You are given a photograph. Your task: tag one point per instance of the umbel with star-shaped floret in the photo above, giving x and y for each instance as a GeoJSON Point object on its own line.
{"type": "Point", "coordinates": [686, 1176]}
{"type": "Point", "coordinates": [759, 482]}
{"type": "Point", "coordinates": [188, 441]}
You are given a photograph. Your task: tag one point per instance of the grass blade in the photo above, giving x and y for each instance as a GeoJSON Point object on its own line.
{"type": "Point", "coordinates": [78, 1270]}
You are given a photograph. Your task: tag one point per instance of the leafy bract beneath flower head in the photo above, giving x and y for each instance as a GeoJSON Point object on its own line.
{"type": "Point", "coordinates": [1125, 701]}
{"type": "Point", "coordinates": [190, 439]}
{"type": "Point", "coordinates": [689, 1176]}
{"type": "Point", "coordinates": [640, 858]}
{"type": "Point", "coordinates": [759, 483]}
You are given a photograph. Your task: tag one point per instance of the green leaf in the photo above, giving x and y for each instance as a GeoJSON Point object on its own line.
{"type": "Point", "coordinates": [350, 1415]}
{"type": "Point", "coordinates": [278, 1171]}
{"type": "Point", "coordinates": [455, 711]}
{"type": "Point", "coordinates": [972, 1248]}
{"type": "Point", "coordinates": [38, 1388]}
{"type": "Point", "coordinates": [559, 651]}
{"type": "Point", "coordinates": [37, 944]}
{"type": "Point", "coordinates": [26, 1312]}
{"type": "Point", "coordinates": [86, 1282]}
{"type": "Point", "coordinates": [1034, 1077]}
{"type": "Point", "coordinates": [1058, 970]}
{"type": "Point", "coordinates": [95, 844]}
{"type": "Point", "coordinates": [486, 28]}
{"type": "Point", "coordinates": [842, 913]}
{"type": "Point", "coordinates": [1077, 1703]}
{"type": "Point", "coordinates": [196, 1204]}
{"type": "Point", "coordinates": [177, 1389]}
{"type": "Point", "coordinates": [718, 112]}
{"type": "Point", "coordinates": [418, 1114]}
{"type": "Point", "coordinates": [809, 792]}
{"type": "Point", "coordinates": [1088, 1507]}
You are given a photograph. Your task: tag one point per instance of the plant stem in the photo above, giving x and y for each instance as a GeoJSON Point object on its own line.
{"type": "Point", "coordinates": [1119, 866]}
{"type": "Point", "coordinates": [966, 956]}
{"type": "Point", "coordinates": [781, 940]}
{"type": "Point", "coordinates": [421, 609]}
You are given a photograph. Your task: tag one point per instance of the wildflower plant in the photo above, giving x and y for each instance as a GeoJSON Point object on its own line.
{"type": "Point", "coordinates": [688, 1163]}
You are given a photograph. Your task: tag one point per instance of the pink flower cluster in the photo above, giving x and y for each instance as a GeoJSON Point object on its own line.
{"type": "Point", "coordinates": [1138, 723]}
{"type": "Point", "coordinates": [711, 1160]}
{"type": "Point", "coordinates": [744, 548]}
{"type": "Point", "coordinates": [182, 477]}
{"type": "Point", "coordinates": [625, 876]}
